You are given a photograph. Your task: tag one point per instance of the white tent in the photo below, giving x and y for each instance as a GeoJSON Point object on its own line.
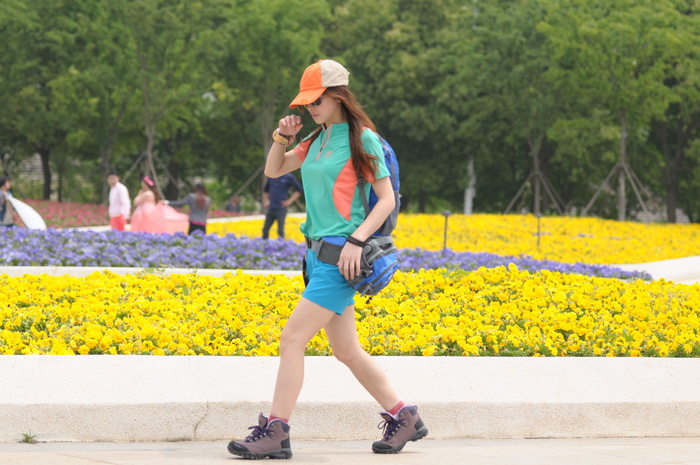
{"type": "Point", "coordinates": [30, 217]}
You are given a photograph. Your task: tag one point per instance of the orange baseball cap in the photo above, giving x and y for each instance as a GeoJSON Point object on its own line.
{"type": "Point", "coordinates": [317, 78]}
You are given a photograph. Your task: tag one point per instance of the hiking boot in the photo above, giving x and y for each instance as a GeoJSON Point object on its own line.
{"type": "Point", "coordinates": [398, 430]}
{"type": "Point", "coordinates": [269, 439]}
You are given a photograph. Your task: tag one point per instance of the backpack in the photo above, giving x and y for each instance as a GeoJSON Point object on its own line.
{"type": "Point", "coordinates": [392, 165]}
{"type": "Point", "coordinates": [380, 257]}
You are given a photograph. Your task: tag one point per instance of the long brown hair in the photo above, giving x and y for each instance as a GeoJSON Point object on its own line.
{"type": "Point", "coordinates": [365, 164]}
{"type": "Point", "coordinates": [148, 181]}
{"type": "Point", "coordinates": [200, 193]}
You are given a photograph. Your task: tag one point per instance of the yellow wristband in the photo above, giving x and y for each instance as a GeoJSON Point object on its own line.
{"type": "Point", "coordinates": [282, 140]}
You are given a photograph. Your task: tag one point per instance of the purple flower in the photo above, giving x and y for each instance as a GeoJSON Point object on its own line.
{"type": "Point", "coordinates": [52, 247]}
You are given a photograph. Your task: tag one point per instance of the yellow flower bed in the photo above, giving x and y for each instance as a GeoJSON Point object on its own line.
{"type": "Point", "coordinates": [564, 239]}
{"type": "Point", "coordinates": [487, 312]}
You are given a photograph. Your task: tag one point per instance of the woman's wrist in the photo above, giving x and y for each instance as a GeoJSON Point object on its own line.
{"type": "Point", "coordinates": [355, 241]}
{"type": "Point", "coordinates": [282, 139]}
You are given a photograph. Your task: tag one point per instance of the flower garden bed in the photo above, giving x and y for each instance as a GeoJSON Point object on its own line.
{"type": "Point", "coordinates": [22, 247]}
{"type": "Point", "coordinates": [447, 302]}
{"type": "Point", "coordinates": [496, 311]}
{"type": "Point", "coordinates": [562, 239]}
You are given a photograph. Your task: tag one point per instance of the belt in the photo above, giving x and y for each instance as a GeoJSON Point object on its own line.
{"type": "Point", "coordinates": [325, 251]}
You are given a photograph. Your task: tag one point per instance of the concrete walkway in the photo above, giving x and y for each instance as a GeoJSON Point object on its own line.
{"type": "Point", "coordinates": [645, 451]}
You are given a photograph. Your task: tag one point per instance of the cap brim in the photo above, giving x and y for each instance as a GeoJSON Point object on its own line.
{"type": "Point", "coordinates": [306, 97]}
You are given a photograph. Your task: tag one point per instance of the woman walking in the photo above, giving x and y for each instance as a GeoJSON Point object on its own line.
{"type": "Point", "coordinates": [342, 148]}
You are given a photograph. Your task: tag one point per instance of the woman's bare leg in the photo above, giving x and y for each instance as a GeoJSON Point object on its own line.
{"type": "Point", "coordinates": [342, 335]}
{"type": "Point", "coordinates": [305, 322]}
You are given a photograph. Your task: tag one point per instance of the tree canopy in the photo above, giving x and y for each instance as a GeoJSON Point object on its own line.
{"type": "Point", "coordinates": [535, 102]}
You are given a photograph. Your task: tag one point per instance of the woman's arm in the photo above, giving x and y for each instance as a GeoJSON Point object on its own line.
{"type": "Point", "coordinates": [381, 210]}
{"type": "Point", "coordinates": [279, 160]}
{"type": "Point", "coordinates": [178, 203]}
{"type": "Point", "coordinates": [349, 262]}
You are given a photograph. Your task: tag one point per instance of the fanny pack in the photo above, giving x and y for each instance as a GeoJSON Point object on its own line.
{"type": "Point", "coordinates": [379, 262]}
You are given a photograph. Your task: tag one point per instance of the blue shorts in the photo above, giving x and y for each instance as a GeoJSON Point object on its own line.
{"type": "Point", "coordinates": [327, 287]}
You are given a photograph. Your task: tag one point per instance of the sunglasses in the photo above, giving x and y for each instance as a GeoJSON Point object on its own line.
{"type": "Point", "coordinates": [316, 103]}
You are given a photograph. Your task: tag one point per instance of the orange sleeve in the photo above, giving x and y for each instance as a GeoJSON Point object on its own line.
{"type": "Point", "coordinates": [302, 149]}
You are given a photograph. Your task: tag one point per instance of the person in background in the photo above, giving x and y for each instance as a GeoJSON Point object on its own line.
{"type": "Point", "coordinates": [119, 202]}
{"type": "Point", "coordinates": [199, 203]}
{"type": "Point", "coordinates": [146, 218]}
{"type": "Point", "coordinates": [276, 200]}
{"type": "Point", "coordinates": [6, 210]}
{"type": "Point", "coordinates": [233, 205]}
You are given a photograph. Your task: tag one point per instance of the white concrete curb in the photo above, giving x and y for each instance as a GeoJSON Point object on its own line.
{"type": "Point", "coordinates": [149, 398]}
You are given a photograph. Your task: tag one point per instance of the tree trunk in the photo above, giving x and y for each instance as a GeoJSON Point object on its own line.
{"type": "Point", "coordinates": [422, 201]}
{"type": "Point", "coordinates": [60, 184]}
{"type": "Point", "coordinates": [673, 159]}
{"type": "Point", "coordinates": [106, 149]}
{"type": "Point", "coordinates": [670, 175]}
{"type": "Point", "coordinates": [621, 194]}
{"type": "Point", "coordinates": [535, 145]}
{"type": "Point", "coordinates": [105, 156]}
{"type": "Point", "coordinates": [174, 168]}
{"type": "Point", "coordinates": [470, 191]}
{"type": "Point", "coordinates": [44, 153]}
{"type": "Point", "coordinates": [673, 168]}
{"type": "Point", "coordinates": [150, 167]}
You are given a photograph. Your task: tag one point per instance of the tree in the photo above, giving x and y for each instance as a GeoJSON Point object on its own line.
{"type": "Point", "coordinates": [14, 16]}
{"type": "Point", "coordinates": [673, 132]}
{"type": "Point", "coordinates": [498, 80]}
{"type": "Point", "coordinates": [391, 50]}
{"type": "Point", "coordinates": [100, 84]}
{"type": "Point", "coordinates": [614, 54]}
{"type": "Point", "coordinates": [168, 46]}
{"type": "Point", "coordinates": [44, 45]}
{"type": "Point", "coordinates": [263, 49]}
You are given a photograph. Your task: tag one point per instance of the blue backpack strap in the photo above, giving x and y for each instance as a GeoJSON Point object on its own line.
{"type": "Point", "coordinates": [363, 195]}
{"type": "Point", "coordinates": [392, 166]}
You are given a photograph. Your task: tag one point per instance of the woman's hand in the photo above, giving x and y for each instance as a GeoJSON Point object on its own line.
{"type": "Point", "coordinates": [349, 263]}
{"type": "Point", "coordinates": [290, 125]}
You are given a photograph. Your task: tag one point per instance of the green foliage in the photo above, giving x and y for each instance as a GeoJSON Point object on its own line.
{"type": "Point", "coordinates": [394, 71]}
{"type": "Point", "coordinates": [565, 88]}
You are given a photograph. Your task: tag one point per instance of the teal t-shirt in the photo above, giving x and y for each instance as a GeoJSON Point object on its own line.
{"type": "Point", "coordinates": [333, 203]}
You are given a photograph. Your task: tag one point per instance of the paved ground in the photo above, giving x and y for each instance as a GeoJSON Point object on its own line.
{"type": "Point", "coordinates": [644, 451]}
